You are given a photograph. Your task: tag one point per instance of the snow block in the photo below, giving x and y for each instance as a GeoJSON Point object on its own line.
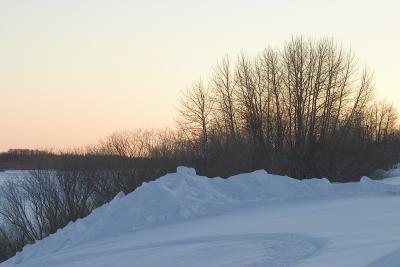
{"type": "Point", "coordinates": [183, 170]}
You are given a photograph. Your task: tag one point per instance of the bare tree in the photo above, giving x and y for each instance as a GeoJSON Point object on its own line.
{"type": "Point", "coordinates": [224, 93]}
{"type": "Point", "coordinates": [195, 114]}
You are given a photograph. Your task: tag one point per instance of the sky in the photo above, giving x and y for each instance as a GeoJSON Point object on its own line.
{"type": "Point", "coordinates": [74, 71]}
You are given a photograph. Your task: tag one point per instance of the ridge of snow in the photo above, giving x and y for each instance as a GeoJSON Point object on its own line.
{"type": "Point", "coordinates": [185, 195]}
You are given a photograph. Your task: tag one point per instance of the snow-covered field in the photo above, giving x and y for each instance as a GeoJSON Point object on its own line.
{"type": "Point", "coordinates": [254, 219]}
{"type": "Point", "coordinates": [12, 174]}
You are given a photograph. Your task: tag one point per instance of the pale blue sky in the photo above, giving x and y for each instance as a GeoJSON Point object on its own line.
{"type": "Point", "coordinates": [74, 71]}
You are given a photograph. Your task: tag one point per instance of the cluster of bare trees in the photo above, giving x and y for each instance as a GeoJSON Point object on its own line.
{"type": "Point", "coordinates": [33, 207]}
{"type": "Point", "coordinates": [305, 110]}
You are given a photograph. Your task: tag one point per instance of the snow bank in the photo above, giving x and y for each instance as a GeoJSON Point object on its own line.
{"type": "Point", "coordinates": [184, 195]}
{"type": "Point", "coordinates": [391, 176]}
{"type": "Point", "coordinates": [394, 172]}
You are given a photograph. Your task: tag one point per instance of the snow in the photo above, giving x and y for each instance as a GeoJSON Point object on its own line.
{"type": "Point", "coordinates": [12, 174]}
{"type": "Point", "coordinates": [392, 176]}
{"type": "Point", "coordinates": [254, 219]}
{"type": "Point", "coordinates": [390, 260]}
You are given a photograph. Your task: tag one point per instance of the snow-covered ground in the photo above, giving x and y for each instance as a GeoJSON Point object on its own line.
{"type": "Point", "coordinates": [254, 219]}
{"type": "Point", "coordinates": [12, 174]}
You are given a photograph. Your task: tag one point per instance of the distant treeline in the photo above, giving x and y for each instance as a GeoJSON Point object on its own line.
{"type": "Point", "coordinates": [25, 159]}
{"type": "Point", "coordinates": [305, 110]}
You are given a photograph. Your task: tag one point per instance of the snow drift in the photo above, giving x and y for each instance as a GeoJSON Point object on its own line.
{"type": "Point", "coordinates": [183, 196]}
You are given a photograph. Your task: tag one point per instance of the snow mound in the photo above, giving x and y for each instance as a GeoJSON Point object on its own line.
{"type": "Point", "coordinates": [391, 176]}
{"type": "Point", "coordinates": [184, 195]}
{"type": "Point", "coordinates": [394, 172]}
